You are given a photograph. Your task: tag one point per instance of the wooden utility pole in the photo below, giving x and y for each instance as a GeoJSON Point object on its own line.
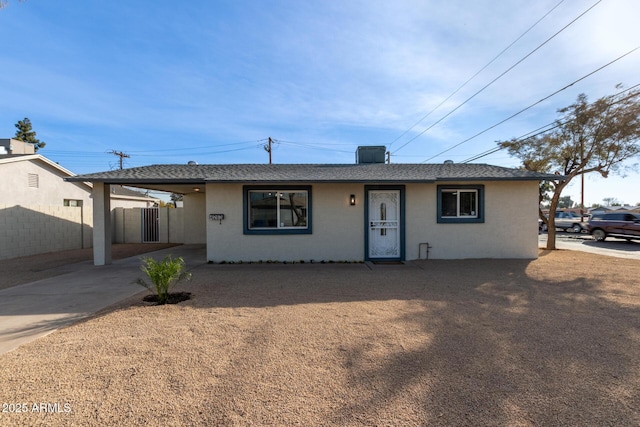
{"type": "Point", "coordinates": [268, 148]}
{"type": "Point", "coordinates": [582, 210]}
{"type": "Point", "coordinates": [388, 157]}
{"type": "Point", "coordinates": [121, 155]}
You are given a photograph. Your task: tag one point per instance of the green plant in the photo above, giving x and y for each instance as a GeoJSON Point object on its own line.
{"type": "Point", "coordinates": [163, 275]}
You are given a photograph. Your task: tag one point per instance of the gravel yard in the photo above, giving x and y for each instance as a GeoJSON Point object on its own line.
{"type": "Point", "coordinates": [549, 342]}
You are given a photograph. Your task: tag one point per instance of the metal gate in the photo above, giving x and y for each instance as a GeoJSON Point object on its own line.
{"type": "Point", "coordinates": [150, 225]}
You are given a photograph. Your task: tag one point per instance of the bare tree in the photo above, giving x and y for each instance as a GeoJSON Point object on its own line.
{"type": "Point", "coordinates": [588, 137]}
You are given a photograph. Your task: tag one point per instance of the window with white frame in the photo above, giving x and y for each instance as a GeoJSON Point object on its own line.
{"type": "Point", "coordinates": [71, 202]}
{"type": "Point", "coordinates": [277, 210]}
{"type": "Point", "coordinates": [460, 203]}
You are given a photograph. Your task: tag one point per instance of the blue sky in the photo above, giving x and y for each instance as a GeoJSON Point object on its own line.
{"type": "Point", "coordinates": [169, 82]}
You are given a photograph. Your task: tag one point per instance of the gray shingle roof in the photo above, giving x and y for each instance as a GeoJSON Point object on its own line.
{"type": "Point", "coordinates": [309, 173]}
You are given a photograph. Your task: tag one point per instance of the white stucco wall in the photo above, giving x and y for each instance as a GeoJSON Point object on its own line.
{"type": "Point", "coordinates": [338, 228]}
{"type": "Point", "coordinates": [176, 225]}
{"type": "Point", "coordinates": [194, 218]}
{"type": "Point", "coordinates": [509, 231]}
{"type": "Point", "coordinates": [51, 190]}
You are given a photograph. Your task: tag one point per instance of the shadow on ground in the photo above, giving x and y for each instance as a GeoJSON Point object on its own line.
{"type": "Point", "coordinates": [490, 342]}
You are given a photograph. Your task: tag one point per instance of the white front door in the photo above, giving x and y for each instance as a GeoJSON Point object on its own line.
{"type": "Point", "coordinates": [384, 224]}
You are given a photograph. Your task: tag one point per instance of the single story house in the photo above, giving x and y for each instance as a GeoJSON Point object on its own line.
{"type": "Point", "coordinates": [340, 212]}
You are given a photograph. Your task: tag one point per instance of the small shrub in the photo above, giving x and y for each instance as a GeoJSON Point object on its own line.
{"type": "Point", "coordinates": [163, 275]}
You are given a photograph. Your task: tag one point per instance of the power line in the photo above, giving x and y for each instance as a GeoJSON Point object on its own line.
{"type": "Point", "coordinates": [192, 153]}
{"type": "Point", "coordinates": [500, 76]}
{"type": "Point", "coordinates": [74, 154]}
{"type": "Point", "coordinates": [532, 105]}
{"type": "Point", "coordinates": [531, 134]}
{"type": "Point", "coordinates": [201, 147]}
{"type": "Point", "coordinates": [315, 146]}
{"type": "Point", "coordinates": [543, 129]}
{"type": "Point", "coordinates": [476, 74]}
{"type": "Point", "coordinates": [181, 149]}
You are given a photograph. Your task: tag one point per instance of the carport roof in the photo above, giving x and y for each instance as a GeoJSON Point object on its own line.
{"type": "Point", "coordinates": [311, 173]}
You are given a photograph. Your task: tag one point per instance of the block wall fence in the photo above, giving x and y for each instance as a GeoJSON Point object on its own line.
{"type": "Point", "coordinates": [31, 230]}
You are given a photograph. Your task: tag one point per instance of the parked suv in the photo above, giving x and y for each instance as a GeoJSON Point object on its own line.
{"type": "Point", "coordinates": [569, 221]}
{"type": "Point", "coordinates": [625, 225]}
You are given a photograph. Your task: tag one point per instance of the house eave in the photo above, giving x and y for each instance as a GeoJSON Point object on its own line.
{"type": "Point", "coordinates": [296, 181]}
{"type": "Point", "coordinates": [319, 181]}
{"type": "Point", "coordinates": [134, 198]}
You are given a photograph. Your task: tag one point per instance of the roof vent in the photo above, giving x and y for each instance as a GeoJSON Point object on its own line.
{"type": "Point", "coordinates": [192, 163]}
{"type": "Point", "coordinates": [448, 162]}
{"type": "Point", "coordinates": [370, 154]}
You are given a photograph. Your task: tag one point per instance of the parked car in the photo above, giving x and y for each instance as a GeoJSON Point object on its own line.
{"type": "Point", "coordinates": [566, 221]}
{"type": "Point", "coordinates": [617, 224]}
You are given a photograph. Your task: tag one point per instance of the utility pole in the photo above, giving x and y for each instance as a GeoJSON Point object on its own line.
{"type": "Point", "coordinates": [388, 157]}
{"type": "Point", "coordinates": [582, 182]}
{"type": "Point", "coordinates": [268, 148]}
{"type": "Point", "coordinates": [121, 155]}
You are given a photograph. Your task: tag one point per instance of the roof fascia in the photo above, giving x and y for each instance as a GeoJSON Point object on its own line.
{"type": "Point", "coordinates": [532, 178]}
{"type": "Point", "coordinates": [140, 198]}
{"type": "Point", "coordinates": [125, 181]}
{"type": "Point", "coordinates": [321, 181]}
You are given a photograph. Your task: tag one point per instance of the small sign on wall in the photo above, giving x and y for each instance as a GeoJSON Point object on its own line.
{"type": "Point", "coordinates": [216, 217]}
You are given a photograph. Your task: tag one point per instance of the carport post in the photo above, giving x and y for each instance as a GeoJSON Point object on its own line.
{"type": "Point", "coordinates": [101, 223]}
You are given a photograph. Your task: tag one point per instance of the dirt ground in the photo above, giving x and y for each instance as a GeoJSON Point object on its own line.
{"type": "Point", "coordinates": [28, 269]}
{"type": "Point", "coordinates": [549, 342]}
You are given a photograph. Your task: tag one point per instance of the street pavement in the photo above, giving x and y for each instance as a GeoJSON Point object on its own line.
{"type": "Point", "coordinates": [584, 242]}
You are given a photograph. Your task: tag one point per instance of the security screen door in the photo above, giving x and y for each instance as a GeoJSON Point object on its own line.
{"type": "Point", "coordinates": [384, 224]}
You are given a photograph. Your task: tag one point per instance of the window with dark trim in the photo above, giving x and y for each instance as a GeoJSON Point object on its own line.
{"type": "Point", "coordinates": [460, 203]}
{"type": "Point", "coordinates": [277, 210]}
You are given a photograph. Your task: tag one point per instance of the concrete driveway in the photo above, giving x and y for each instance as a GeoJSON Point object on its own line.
{"type": "Point", "coordinates": [36, 309]}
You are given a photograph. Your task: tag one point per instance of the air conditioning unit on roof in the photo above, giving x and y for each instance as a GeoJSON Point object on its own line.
{"type": "Point", "coordinates": [370, 154]}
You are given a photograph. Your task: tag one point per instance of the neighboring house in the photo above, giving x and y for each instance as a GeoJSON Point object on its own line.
{"type": "Point", "coordinates": [337, 212]}
{"type": "Point", "coordinates": [27, 178]}
{"type": "Point", "coordinates": [40, 211]}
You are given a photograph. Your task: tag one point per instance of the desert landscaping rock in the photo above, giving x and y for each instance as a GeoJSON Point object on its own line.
{"type": "Point", "coordinates": [549, 342]}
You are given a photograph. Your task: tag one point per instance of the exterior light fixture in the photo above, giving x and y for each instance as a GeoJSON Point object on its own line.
{"type": "Point", "coordinates": [352, 200]}
{"type": "Point", "coordinates": [196, 189]}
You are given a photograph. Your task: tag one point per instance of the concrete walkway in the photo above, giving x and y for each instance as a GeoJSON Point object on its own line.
{"type": "Point", "coordinates": [36, 309]}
